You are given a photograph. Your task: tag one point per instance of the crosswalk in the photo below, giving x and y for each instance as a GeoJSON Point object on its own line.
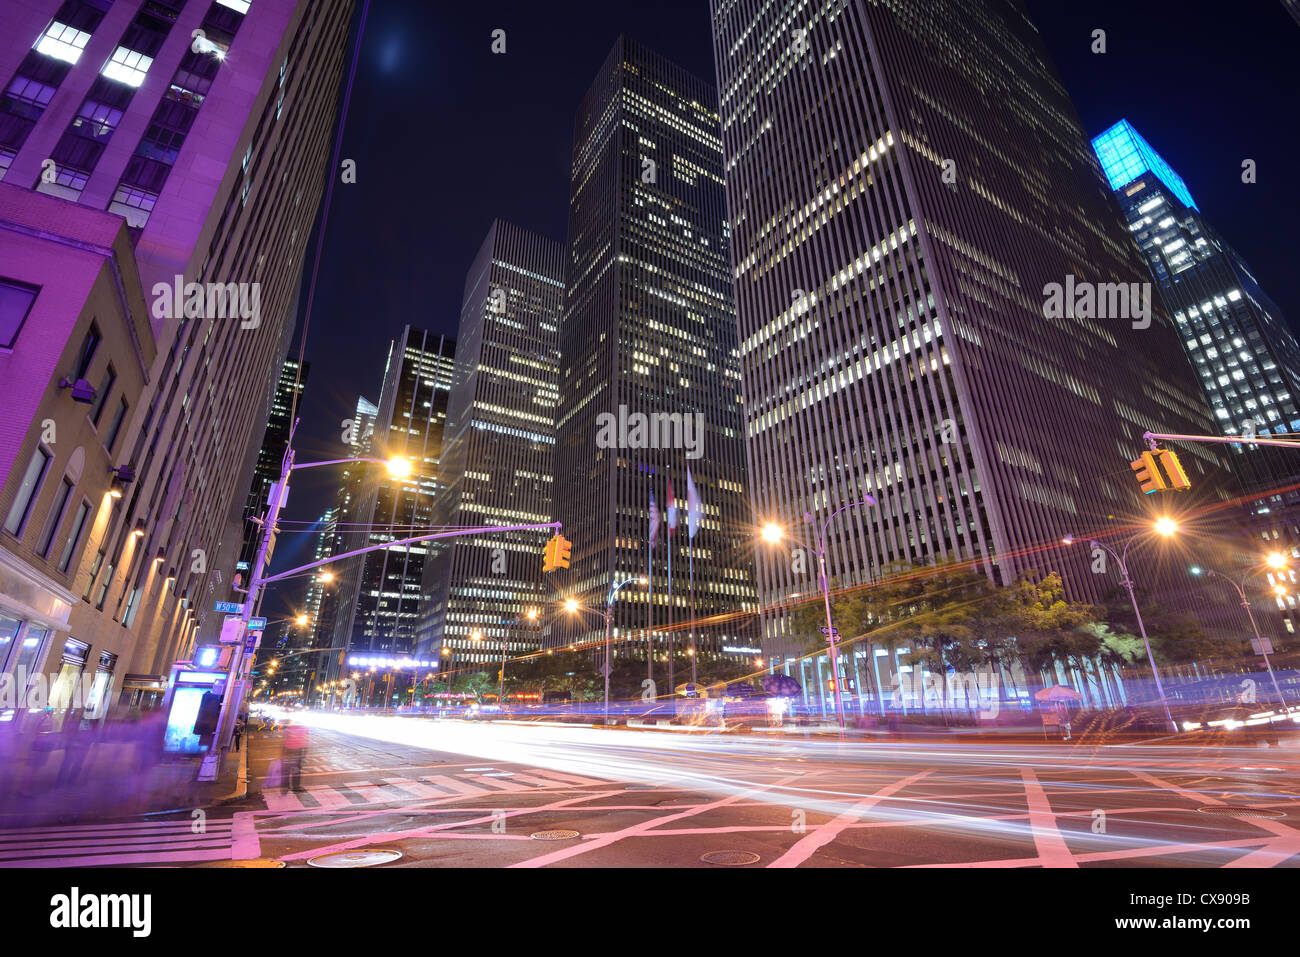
{"type": "Point", "coordinates": [120, 845]}
{"type": "Point", "coordinates": [384, 789]}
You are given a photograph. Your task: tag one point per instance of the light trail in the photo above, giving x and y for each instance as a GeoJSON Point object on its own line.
{"type": "Point", "coordinates": [851, 782]}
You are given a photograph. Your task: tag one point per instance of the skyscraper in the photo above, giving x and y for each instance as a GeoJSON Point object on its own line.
{"type": "Point", "coordinates": [1235, 337]}
{"type": "Point", "coordinates": [1245, 357]}
{"type": "Point", "coordinates": [499, 450]}
{"type": "Point", "coordinates": [649, 376]}
{"type": "Point", "coordinates": [206, 127]}
{"type": "Point", "coordinates": [379, 595]}
{"type": "Point", "coordinates": [910, 194]}
{"type": "Point", "coordinates": [286, 398]}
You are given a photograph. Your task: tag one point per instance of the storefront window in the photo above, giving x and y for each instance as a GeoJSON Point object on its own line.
{"type": "Point", "coordinates": [8, 633]}
{"type": "Point", "coordinates": [66, 691]}
{"type": "Point", "coordinates": [103, 676]}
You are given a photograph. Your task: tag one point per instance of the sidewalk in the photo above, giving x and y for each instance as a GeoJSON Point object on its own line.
{"type": "Point", "coordinates": [116, 780]}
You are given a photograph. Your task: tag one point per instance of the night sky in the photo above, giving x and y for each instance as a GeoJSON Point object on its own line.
{"type": "Point", "coordinates": [447, 135]}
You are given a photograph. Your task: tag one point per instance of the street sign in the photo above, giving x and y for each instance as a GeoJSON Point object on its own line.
{"type": "Point", "coordinates": [230, 607]}
{"type": "Point", "coordinates": [256, 624]}
{"type": "Point", "coordinates": [1261, 646]}
{"type": "Point", "coordinates": [833, 632]}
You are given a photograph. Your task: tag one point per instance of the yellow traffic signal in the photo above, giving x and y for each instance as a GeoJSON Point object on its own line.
{"type": "Point", "coordinates": [556, 553]}
{"type": "Point", "coordinates": [1159, 470]}
{"type": "Point", "coordinates": [1147, 470]}
{"type": "Point", "coordinates": [1174, 472]}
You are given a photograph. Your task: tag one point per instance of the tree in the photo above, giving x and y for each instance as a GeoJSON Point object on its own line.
{"type": "Point", "coordinates": [1175, 635]}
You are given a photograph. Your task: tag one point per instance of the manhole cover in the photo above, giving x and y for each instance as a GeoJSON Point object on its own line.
{"type": "Point", "coordinates": [356, 858]}
{"type": "Point", "coordinates": [556, 835]}
{"type": "Point", "coordinates": [252, 862]}
{"type": "Point", "coordinates": [730, 858]}
{"type": "Point", "coordinates": [1231, 810]}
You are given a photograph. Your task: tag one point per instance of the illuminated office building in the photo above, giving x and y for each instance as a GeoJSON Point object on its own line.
{"type": "Point", "coordinates": [649, 330]}
{"type": "Point", "coordinates": [286, 398]}
{"type": "Point", "coordinates": [379, 596]}
{"type": "Point", "coordinates": [1235, 337]}
{"type": "Point", "coordinates": [499, 451]}
{"type": "Point", "coordinates": [906, 182]}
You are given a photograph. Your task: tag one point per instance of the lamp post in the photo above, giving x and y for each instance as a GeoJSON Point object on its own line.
{"type": "Point", "coordinates": [1275, 560]}
{"type": "Point", "coordinates": [1166, 527]}
{"type": "Point", "coordinates": [571, 605]}
{"type": "Point", "coordinates": [772, 534]}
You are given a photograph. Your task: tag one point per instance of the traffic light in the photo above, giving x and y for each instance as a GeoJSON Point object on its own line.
{"type": "Point", "coordinates": [1147, 470]}
{"type": "Point", "coordinates": [556, 553]}
{"type": "Point", "coordinates": [1174, 473]}
{"type": "Point", "coordinates": [1159, 470]}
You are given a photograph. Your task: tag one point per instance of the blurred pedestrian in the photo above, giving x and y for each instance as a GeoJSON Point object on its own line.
{"type": "Point", "coordinates": [76, 742]}
{"type": "Point", "coordinates": [294, 749]}
{"type": "Point", "coordinates": [240, 721]}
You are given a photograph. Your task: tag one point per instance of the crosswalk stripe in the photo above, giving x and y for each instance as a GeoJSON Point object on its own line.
{"type": "Point", "coordinates": [452, 784]}
{"type": "Point", "coordinates": [370, 793]}
{"type": "Point", "coordinates": [540, 782]}
{"type": "Point", "coordinates": [572, 778]}
{"type": "Point", "coordinates": [102, 828]}
{"type": "Point", "coordinates": [499, 784]}
{"type": "Point", "coordinates": [116, 860]}
{"type": "Point", "coordinates": [286, 801]}
{"type": "Point", "coordinates": [90, 847]}
{"type": "Point", "coordinates": [328, 797]}
{"type": "Point", "coordinates": [415, 787]}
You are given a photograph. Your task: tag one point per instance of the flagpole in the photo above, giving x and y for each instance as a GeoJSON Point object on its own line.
{"type": "Point", "coordinates": [694, 654]}
{"type": "Point", "coordinates": [672, 635]}
{"type": "Point", "coordinates": [650, 608]}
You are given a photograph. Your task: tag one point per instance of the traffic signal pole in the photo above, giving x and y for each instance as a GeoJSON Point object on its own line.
{"type": "Point", "coordinates": [210, 769]}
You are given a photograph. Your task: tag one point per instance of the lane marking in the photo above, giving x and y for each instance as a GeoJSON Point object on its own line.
{"type": "Point", "coordinates": [822, 834]}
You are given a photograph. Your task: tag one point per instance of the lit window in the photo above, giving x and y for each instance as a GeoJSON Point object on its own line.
{"type": "Point", "coordinates": [62, 42]}
{"type": "Point", "coordinates": [239, 6]}
{"type": "Point", "coordinates": [127, 66]}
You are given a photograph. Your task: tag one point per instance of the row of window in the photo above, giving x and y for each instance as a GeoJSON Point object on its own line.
{"type": "Point", "coordinates": [38, 466]}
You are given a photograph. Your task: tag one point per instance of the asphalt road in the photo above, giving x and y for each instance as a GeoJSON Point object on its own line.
{"type": "Point", "coordinates": [464, 794]}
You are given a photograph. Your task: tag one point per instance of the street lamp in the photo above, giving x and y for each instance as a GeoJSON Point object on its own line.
{"type": "Point", "coordinates": [1166, 527]}
{"type": "Point", "coordinates": [1277, 561]}
{"type": "Point", "coordinates": [571, 606]}
{"type": "Point", "coordinates": [773, 534]}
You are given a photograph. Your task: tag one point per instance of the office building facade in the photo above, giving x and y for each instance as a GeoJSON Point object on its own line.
{"type": "Point", "coordinates": [649, 373]}
{"type": "Point", "coordinates": [285, 402]}
{"type": "Point", "coordinates": [379, 599]}
{"type": "Point", "coordinates": [1235, 337]}
{"type": "Point", "coordinates": [911, 193]}
{"type": "Point", "coordinates": [205, 126]}
{"type": "Point", "coordinates": [499, 458]}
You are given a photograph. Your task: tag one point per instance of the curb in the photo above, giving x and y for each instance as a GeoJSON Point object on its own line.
{"type": "Point", "coordinates": [241, 780]}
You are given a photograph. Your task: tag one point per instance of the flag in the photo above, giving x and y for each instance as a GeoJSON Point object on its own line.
{"type": "Point", "coordinates": [672, 509]}
{"type": "Point", "coordinates": [654, 519]}
{"type": "Point", "coordinates": [693, 506]}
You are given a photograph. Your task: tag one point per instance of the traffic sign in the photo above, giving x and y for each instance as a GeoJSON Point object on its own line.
{"type": "Point", "coordinates": [256, 624]}
{"type": "Point", "coordinates": [835, 632]}
{"type": "Point", "coordinates": [230, 607]}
